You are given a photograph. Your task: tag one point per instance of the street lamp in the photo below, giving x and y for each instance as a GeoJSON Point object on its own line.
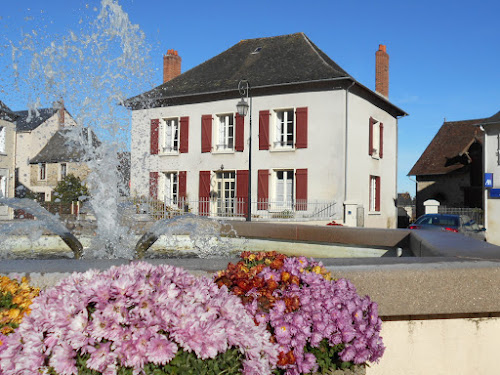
{"type": "Point", "coordinates": [242, 107]}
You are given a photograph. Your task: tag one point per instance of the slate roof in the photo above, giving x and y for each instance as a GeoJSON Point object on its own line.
{"type": "Point", "coordinates": [29, 120]}
{"type": "Point", "coordinates": [65, 147]}
{"type": "Point", "coordinates": [443, 154]}
{"type": "Point", "coordinates": [6, 113]}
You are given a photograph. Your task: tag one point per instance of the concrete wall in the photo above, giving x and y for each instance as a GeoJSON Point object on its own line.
{"type": "Point", "coordinates": [491, 165]}
{"type": "Point", "coordinates": [324, 156]}
{"type": "Point", "coordinates": [467, 346]}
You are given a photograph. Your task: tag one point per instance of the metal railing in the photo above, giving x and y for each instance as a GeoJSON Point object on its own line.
{"type": "Point", "coordinates": [237, 208]}
{"type": "Point", "coordinates": [477, 214]}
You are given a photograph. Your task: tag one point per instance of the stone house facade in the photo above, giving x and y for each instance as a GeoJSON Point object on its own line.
{"type": "Point", "coordinates": [7, 157]}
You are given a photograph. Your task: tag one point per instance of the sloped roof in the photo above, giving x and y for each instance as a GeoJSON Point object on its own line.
{"type": "Point", "coordinates": [495, 119]}
{"type": "Point", "coordinates": [451, 142]}
{"type": "Point", "coordinates": [65, 147]}
{"type": "Point", "coordinates": [6, 113]}
{"type": "Point", "coordinates": [29, 120]}
{"type": "Point", "coordinates": [264, 62]}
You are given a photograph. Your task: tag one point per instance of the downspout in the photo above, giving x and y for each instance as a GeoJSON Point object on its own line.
{"type": "Point", "coordinates": [346, 139]}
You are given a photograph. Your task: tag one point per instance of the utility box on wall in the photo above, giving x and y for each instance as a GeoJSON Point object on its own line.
{"type": "Point", "coordinates": [354, 214]}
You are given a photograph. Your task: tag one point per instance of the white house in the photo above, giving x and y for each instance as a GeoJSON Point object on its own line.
{"type": "Point", "coordinates": [7, 157]}
{"type": "Point", "coordinates": [317, 135]}
{"type": "Point", "coordinates": [491, 152]}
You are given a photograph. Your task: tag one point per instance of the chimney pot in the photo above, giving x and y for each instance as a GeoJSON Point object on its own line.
{"type": "Point", "coordinates": [382, 71]}
{"type": "Point", "coordinates": [171, 65]}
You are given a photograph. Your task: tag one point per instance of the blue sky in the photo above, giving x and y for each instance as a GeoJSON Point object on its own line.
{"type": "Point", "coordinates": [444, 55]}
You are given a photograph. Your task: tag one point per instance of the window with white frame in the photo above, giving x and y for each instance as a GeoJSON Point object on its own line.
{"type": "Point", "coordinates": [225, 132]}
{"type": "Point", "coordinates": [3, 186]}
{"type": "Point", "coordinates": [170, 135]}
{"type": "Point", "coordinates": [374, 193]}
{"type": "Point", "coordinates": [226, 184]}
{"type": "Point", "coordinates": [284, 128]}
{"type": "Point", "coordinates": [170, 188]}
{"type": "Point", "coordinates": [283, 184]}
{"type": "Point", "coordinates": [2, 139]}
{"type": "Point", "coordinates": [42, 171]}
{"type": "Point", "coordinates": [64, 170]}
{"type": "Point", "coordinates": [375, 138]}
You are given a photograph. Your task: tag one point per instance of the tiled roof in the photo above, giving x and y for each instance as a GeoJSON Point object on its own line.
{"type": "Point", "coordinates": [263, 62]}
{"type": "Point", "coordinates": [31, 119]}
{"type": "Point", "coordinates": [6, 113]}
{"type": "Point", "coordinates": [65, 147]}
{"type": "Point", "coordinates": [443, 153]}
{"type": "Point", "coordinates": [495, 119]}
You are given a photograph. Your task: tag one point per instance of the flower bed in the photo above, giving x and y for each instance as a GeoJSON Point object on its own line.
{"type": "Point", "coordinates": [137, 319]}
{"type": "Point", "coordinates": [15, 300]}
{"type": "Point", "coordinates": [319, 324]}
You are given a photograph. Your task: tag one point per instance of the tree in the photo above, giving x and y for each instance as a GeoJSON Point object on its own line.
{"type": "Point", "coordinates": [70, 189]}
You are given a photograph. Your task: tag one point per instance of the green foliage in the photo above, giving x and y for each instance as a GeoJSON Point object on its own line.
{"type": "Point", "coordinates": [70, 189]}
{"type": "Point", "coordinates": [185, 363]}
{"type": "Point", "coordinates": [327, 357]}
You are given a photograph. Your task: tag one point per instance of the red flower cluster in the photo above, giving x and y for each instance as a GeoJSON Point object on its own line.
{"type": "Point", "coordinates": [243, 277]}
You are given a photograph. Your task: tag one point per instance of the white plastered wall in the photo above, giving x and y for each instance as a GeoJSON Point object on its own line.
{"type": "Point", "coordinates": [492, 205]}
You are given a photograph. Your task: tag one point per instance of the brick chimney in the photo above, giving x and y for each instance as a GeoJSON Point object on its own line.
{"type": "Point", "coordinates": [60, 112]}
{"type": "Point", "coordinates": [382, 71]}
{"type": "Point", "coordinates": [171, 65]}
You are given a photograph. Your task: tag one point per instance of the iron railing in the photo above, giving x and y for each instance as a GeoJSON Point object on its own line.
{"type": "Point", "coordinates": [237, 208]}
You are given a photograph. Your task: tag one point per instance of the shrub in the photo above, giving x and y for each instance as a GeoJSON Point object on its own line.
{"type": "Point", "coordinates": [137, 318]}
{"type": "Point", "coordinates": [319, 323]}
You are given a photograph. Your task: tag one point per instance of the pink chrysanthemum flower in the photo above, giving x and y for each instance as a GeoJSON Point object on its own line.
{"type": "Point", "coordinates": [131, 316]}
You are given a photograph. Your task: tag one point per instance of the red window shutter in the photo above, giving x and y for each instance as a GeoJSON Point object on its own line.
{"type": "Point", "coordinates": [206, 133]}
{"type": "Point", "coordinates": [155, 125]}
{"type": "Point", "coordinates": [377, 193]}
{"type": "Point", "coordinates": [381, 146]}
{"type": "Point", "coordinates": [239, 144]}
{"type": "Point", "coordinates": [264, 130]}
{"type": "Point", "coordinates": [370, 132]}
{"type": "Point", "coordinates": [182, 184]}
{"type": "Point", "coordinates": [301, 128]}
{"type": "Point", "coordinates": [204, 194]}
{"type": "Point", "coordinates": [242, 192]}
{"type": "Point", "coordinates": [184, 135]}
{"type": "Point", "coordinates": [263, 189]}
{"type": "Point", "coordinates": [153, 185]}
{"type": "Point", "coordinates": [301, 189]}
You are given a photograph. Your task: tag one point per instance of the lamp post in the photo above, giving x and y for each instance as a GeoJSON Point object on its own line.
{"type": "Point", "coordinates": [242, 108]}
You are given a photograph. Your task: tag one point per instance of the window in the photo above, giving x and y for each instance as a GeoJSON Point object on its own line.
{"type": "Point", "coordinates": [284, 126]}
{"type": "Point", "coordinates": [170, 135]}
{"type": "Point", "coordinates": [3, 186]}
{"type": "Point", "coordinates": [42, 170]}
{"type": "Point", "coordinates": [2, 139]}
{"type": "Point", "coordinates": [225, 133]}
{"type": "Point", "coordinates": [376, 138]}
{"type": "Point", "coordinates": [284, 188]}
{"type": "Point", "coordinates": [63, 170]}
{"type": "Point", "coordinates": [374, 193]}
{"type": "Point", "coordinates": [225, 182]}
{"type": "Point", "coordinates": [171, 188]}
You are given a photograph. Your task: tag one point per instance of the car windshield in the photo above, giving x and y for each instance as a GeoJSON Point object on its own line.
{"type": "Point", "coordinates": [439, 220]}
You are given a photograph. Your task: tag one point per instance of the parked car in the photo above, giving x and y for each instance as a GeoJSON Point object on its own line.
{"type": "Point", "coordinates": [450, 223]}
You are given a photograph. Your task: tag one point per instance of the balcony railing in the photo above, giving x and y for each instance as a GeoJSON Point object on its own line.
{"type": "Point", "coordinates": [236, 208]}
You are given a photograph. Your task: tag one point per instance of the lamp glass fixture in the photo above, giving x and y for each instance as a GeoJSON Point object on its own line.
{"type": "Point", "coordinates": [242, 107]}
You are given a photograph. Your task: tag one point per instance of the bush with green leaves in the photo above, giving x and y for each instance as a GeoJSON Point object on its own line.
{"type": "Point", "coordinates": [70, 189]}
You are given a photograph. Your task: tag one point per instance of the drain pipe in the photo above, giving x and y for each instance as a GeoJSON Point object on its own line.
{"type": "Point", "coordinates": [346, 140]}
